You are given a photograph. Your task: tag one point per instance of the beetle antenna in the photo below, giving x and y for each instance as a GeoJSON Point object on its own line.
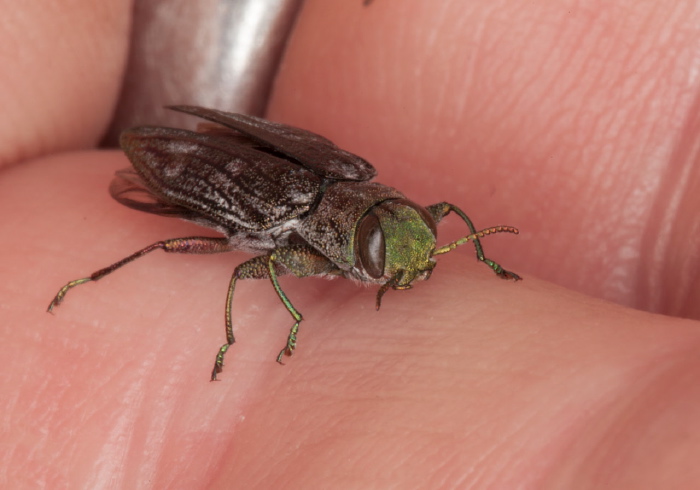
{"type": "Point", "coordinates": [474, 236]}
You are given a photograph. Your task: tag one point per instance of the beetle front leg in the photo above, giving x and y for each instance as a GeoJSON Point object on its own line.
{"type": "Point", "coordinates": [442, 209]}
{"type": "Point", "coordinates": [300, 260]}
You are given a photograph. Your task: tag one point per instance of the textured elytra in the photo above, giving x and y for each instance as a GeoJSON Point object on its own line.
{"type": "Point", "coordinates": [235, 186]}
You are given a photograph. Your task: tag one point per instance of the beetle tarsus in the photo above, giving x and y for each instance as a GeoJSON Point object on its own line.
{"type": "Point", "coordinates": [500, 271]}
{"type": "Point", "coordinates": [291, 344]}
{"type": "Point", "coordinates": [58, 299]}
{"type": "Point", "coordinates": [219, 363]}
{"type": "Point", "coordinates": [510, 275]}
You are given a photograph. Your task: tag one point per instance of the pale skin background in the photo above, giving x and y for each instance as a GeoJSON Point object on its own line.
{"type": "Point", "coordinates": [575, 121]}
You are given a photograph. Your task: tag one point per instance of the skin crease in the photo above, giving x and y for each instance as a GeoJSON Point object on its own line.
{"type": "Point", "coordinates": [49, 47]}
{"type": "Point", "coordinates": [574, 123]}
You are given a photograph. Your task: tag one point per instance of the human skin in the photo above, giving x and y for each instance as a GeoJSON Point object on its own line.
{"type": "Point", "coordinates": [576, 124]}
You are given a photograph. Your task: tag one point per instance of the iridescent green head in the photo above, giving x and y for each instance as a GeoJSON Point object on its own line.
{"type": "Point", "coordinates": [394, 243]}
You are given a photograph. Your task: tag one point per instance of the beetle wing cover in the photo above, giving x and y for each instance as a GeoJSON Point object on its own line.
{"type": "Point", "coordinates": [310, 150]}
{"type": "Point", "coordinates": [130, 190]}
{"type": "Point", "coordinates": [212, 179]}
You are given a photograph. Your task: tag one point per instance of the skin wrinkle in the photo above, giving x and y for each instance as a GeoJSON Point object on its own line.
{"type": "Point", "coordinates": [504, 452]}
{"type": "Point", "coordinates": [675, 189]}
{"type": "Point", "coordinates": [584, 458]}
{"type": "Point", "coordinates": [690, 308]}
{"type": "Point", "coordinates": [466, 76]}
{"type": "Point", "coordinates": [640, 203]}
{"type": "Point", "coordinates": [35, 121]}
{"type": "Point", "coordinates": [574, 76]}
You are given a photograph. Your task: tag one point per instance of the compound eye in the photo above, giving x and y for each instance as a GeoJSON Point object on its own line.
{"type": "Point", "coordinates": [371, 248]}
{"type": "Point", "coordinates": [424, 214]}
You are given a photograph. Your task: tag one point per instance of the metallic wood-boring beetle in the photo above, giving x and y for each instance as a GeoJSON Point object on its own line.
{"type": "Point", "coordinates": [307, 206]}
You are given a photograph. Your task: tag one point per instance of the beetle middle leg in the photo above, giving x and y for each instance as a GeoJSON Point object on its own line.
{"type": "Point", "coordinates": [300, 260]}
{"type": "Point", "coordinates": [442, 209]}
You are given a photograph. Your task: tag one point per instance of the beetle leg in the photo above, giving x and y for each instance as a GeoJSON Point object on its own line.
{"type": "Point", "coordinates": [292, 338]}
{"type": "Point", "coordinates": [188, 245]}
{"type": "Point", "coordinates": [255, 268]}
{"type": "Point", "coordinates": [300, 260]}
{"type": "Point", "coordinates": [442, 209]}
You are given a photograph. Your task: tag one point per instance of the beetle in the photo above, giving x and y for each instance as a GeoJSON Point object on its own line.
{"type": "Point", "coordinates": [307, 207]}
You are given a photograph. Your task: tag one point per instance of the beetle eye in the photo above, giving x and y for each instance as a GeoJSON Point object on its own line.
{"type": "Point", "coordinates": [370, 245]}
{"type": "Point", "coordinates": [424, 214]}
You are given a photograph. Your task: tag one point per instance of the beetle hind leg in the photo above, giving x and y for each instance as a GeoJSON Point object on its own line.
{"type": "Point", "coordinates": [187, 245]}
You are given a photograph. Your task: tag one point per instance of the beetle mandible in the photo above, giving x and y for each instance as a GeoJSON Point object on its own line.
{"type": "Point", "coordinates": [305, 205]}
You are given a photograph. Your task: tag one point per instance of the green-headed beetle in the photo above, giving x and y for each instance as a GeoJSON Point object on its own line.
{"type": "Point", "coordinates": [304, 205]}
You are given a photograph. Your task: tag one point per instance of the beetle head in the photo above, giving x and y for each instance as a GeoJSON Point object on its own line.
{"type": "Point", "coordinates": [394, 244]}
